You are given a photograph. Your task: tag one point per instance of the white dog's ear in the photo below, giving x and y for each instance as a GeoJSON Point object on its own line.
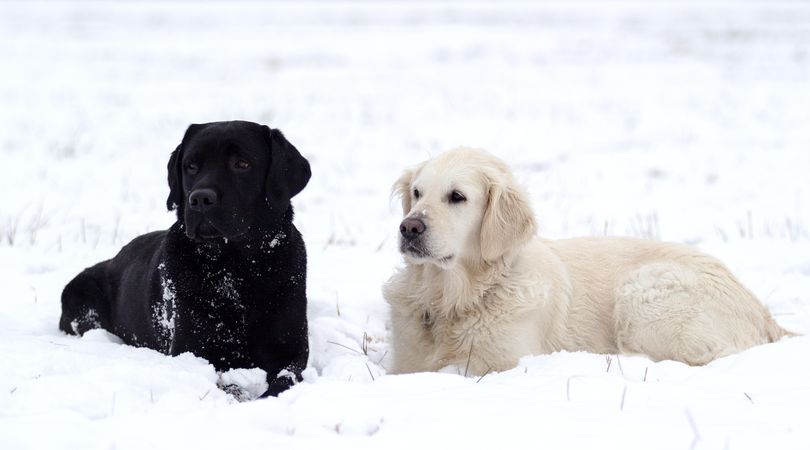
{"type": "Point", "coordinates": [508, 220]}
{"type": "Point", "coordinates": [402, 188]}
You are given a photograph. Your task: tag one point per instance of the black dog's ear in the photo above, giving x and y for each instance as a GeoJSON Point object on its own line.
{"type": "Point", "coordinates": [175, 177]}
{"type": "Point", "coordinates": [288, 173]}
{"type": "Point", "coordinates": [175, 170]}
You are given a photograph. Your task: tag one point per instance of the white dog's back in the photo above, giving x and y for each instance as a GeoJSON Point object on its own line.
{"type": "Point", "coordinates": [666, 300]}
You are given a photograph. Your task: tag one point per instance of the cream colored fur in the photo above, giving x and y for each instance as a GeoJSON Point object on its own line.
{"type": "Point", "coordinates": [489, 292]}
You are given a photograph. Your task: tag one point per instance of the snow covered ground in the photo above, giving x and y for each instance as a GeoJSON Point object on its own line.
{"type": "Point", "coordinates": [679, 121]}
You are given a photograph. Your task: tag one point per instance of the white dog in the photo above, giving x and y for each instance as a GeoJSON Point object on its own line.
{"type": "Point", "coordinates": [479, 290]}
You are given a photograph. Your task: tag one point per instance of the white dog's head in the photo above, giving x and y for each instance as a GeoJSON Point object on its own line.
{"type": "Point", "coordinates": [462, 205]}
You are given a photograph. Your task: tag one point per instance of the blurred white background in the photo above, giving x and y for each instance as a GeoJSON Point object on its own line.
{"type": "Point", "coordinates": [681, 121]}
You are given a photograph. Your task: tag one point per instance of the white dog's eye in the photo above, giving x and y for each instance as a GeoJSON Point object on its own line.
{"type": "Point", "coordinates": [416, 194]}
{"type": "Point", "coordinates": [456, 197]}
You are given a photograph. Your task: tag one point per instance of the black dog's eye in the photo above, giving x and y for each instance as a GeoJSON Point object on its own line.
{"type": "Point", "coordinates": [192, 168]}
{"type": "Point", "coordinates": [456, 197]}
{"type": "Point", "coordinates": [241, 164]}
{"type": "Point", "coordinates": [416, 194]}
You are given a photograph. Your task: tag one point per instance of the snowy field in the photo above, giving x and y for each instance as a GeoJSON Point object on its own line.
{"type": "Point", "coordinates": [685, 122]}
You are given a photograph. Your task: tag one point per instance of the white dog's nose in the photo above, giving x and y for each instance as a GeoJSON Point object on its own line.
{"type": "Point", "coordinates": [411, 228]}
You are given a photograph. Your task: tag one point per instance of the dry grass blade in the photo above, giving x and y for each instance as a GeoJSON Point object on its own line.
{"type": "Point", "coordinates": [469, 356]}
{"type": "Point", "coordinates": [344, 346]}
{"type": "Point", "coordinates": [482, 376]}
{"type": "Point", "coordinates": [337, 304]}
{"type": "Point", "coordinates": [624, 395]}
{"type": "Point", "coordinates": [619, 362]}
{"type": "Point", "coordinates": [696, 439]}
{"type": "Point", "coordinates": [364, 344]}
{"type": "Point", "coordinates": [568, 386]}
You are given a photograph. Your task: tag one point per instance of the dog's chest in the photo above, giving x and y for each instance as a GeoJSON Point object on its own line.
{"type": "Point", "coordinates": [207, 304]}
{"type": "Point", "coordinates": [453, 322]}
{"type": "Point", "coordinates": [448, 326]}
{"type": "Point", "coordinates": [164, 311]}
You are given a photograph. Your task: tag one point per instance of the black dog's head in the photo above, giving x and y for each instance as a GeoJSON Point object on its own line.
{"type": "Point", "coordinates": [231, 179]}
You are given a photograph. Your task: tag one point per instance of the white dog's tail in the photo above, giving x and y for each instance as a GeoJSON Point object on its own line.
{"type": "Point", "coordinates": [775, 331]}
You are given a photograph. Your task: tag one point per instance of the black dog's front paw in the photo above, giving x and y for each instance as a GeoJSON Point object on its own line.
{"type": "Point", "coordinates": [277, 387]}
{"type": "Point", "coordinates": [281, 383]}
{"type": "Point", "coordinates": [243, 384]}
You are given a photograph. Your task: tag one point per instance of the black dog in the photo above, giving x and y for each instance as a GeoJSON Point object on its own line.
{"type": "Point", "coordinates": [227, 281]}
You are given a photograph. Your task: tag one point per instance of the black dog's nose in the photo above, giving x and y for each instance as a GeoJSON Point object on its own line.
{"type": "Point", "coordinates": [203, 199]}
{"type": "Point", "coordinates": [411, 228]}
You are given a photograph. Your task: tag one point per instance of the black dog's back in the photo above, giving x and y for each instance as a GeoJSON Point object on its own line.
{"type": "Point", "coordinates": [133, 276]}
{"type": "Point", "coordinates": [100, 296]}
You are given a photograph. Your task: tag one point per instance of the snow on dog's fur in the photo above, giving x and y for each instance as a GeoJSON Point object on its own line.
{"type": "Point", "coordinates": [479, 290]}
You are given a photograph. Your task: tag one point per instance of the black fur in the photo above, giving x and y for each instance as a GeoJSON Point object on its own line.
{"type": "Point", "coordinates": [227, 284]}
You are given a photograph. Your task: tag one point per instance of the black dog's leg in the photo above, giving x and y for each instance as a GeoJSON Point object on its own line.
{"type": "Point", "coordinates": [84, 301]}
{"type": "Point", "coordinates": [280, 345]}
{"type": "Point", "coordinates": [288, 378]}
